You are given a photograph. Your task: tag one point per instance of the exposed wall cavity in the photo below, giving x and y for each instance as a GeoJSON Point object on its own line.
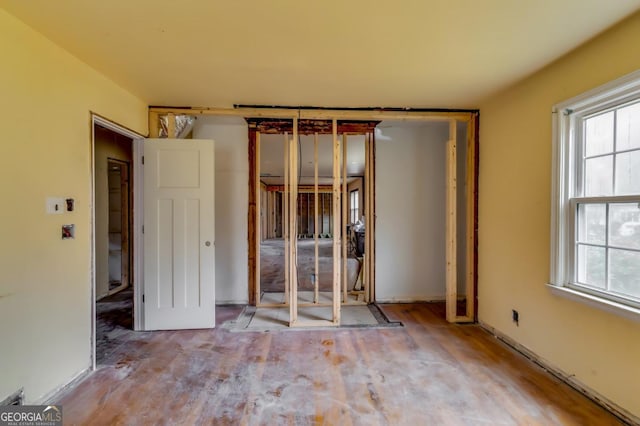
{"type": "Point", "coordinates": [183, 125]}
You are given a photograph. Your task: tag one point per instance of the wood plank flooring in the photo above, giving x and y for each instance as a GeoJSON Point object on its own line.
{"type": "Point", "coordinates": [427, 373]}
{"type": "Point", "coordinates": [272, 265]}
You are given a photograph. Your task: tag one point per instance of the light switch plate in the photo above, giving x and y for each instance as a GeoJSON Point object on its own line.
{"type": "Point", "coordinates": [55, 205]}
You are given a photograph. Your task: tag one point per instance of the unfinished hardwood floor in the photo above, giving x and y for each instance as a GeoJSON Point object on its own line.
{"type": "Point", "coordinates": [429, 372]}
{"type": "Point", "coordinates": [272, 265]}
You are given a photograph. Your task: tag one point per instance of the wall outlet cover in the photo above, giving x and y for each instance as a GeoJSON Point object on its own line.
{"type": "Point", "coordinates": [55, 205]}
{"type": "Point", "coordinates": [68, 232]}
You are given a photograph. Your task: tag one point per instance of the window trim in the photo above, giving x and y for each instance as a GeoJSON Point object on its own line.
{"type": "Point", "coordinates": [564, 174]}
{"type": "Point", "coordinates": [357, 207]}
{"type": "Point", "coordinates": [571, 260]}
{"type": "Point", "coordinates": [601, 303]}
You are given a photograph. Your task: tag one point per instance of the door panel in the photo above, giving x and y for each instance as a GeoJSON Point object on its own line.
{"type": "Point", "coordinates": [179, 275]}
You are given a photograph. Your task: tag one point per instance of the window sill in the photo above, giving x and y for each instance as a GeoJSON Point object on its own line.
{"type": "Point", "coordinates": [597, 302]}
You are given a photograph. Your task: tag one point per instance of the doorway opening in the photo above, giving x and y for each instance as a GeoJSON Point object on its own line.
{"type": "Point", "coordinates": [306, 254]}
{"type": "Point", "coordinates": [314, 227]}
{"type": "Point", "coordinates": [114, 236]}
{"type": "Point", "coordinates": [119, 222]}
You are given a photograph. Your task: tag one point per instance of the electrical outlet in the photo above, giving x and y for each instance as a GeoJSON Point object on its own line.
{"type": "Point", "coordinates": [68, 232]}
{"type": "Point", "coordinates": [515, 316]}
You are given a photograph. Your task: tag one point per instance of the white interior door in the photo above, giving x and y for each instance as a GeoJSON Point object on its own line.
{"type": "Point", "coordinates": [179, 261]}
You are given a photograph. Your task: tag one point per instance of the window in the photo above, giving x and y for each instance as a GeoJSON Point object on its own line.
{"type": "Point", "coordinates": [596, 200]}
{"type": "Point", "coordinates": [354, 196]}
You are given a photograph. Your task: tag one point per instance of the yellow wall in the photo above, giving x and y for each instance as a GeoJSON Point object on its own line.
{"type": "Point", "coordinates": [601, 349]}
{"type": "Point", "coordinates": [46, 96]}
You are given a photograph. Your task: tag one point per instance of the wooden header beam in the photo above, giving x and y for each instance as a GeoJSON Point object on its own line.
{"type": "Point", "coordinates": [320, 114]}
{"type": "Point", "coordinates": [310, 127]}
{"type": "Point", "coordinates": [301, 188]}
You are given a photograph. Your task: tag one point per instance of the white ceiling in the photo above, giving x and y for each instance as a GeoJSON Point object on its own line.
{"type": "Point", "coordinates": [411, 53]}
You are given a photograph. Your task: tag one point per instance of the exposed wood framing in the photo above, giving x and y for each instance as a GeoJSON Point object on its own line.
{"type": "Point", "coordinates": [302, 188]}
{"type": "Point", "coordinates": [367, 217]}
{"type": "Point", "coordinates": [452, 230]}
{"type": "Point", "coordinates": [271, 209]}
{"type": "Point", "coordinates": [154, 124]}
{"type": "Point", "coordinates": [321, 114]}
{"type": "Point", "coordinates": [316, 281]}
{"type": "Point", "coordinates": [370, 219]}
{"type": "Point", "coordinates": [343, 233]}
{"type": "Point", "coordinates": [451, 261]}
{"type": "Point", "coordinates": [267, 120]}
{"type": "Point", "coordinates": [476, 171]}
{"type": "Point", "coordinates": [300, 304]}
{"type": "Point", "coordinates": [309, 127]}
{"type": "Point", "coordinates": [254, 296]}
{"type": "Point", "coordinates": [471, 219]}
{"type": "Point", "coordinates": [336, 224]}
{"type": "Point", "coordinates": [171, 126]}
{"type": "Point", "coordinates": [365, 209]}
{"type": "Point", "coordinates": [258, 200]}
{"type": "Point", "coordinates": [315, 323]}
{"type": "Point", "coordinates": [286, 229]}
{"type": "Point", "coordinates": [293, 231]}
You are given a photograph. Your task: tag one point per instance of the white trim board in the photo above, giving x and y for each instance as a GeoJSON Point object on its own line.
{"type": "Point", "coordinates": [416, 299]}
{"type": "Point", "coordinates": [606, 305]}
{"type": "Point", "coordinates": [566, 378]}
{"type": "Point", "coordinates": [56, 395]}
{"type": "Point", "coordinates": [604, 93]}
{"type": "Point", "coordinates": [240, 302]}
{"type": "Point", "coordinates": [419, 299]}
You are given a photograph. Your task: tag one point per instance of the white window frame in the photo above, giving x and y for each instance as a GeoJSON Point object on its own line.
{"type": "Point", "coordinates": [566, 177]}
{"type": "Point", "coordinates": [354, 210]}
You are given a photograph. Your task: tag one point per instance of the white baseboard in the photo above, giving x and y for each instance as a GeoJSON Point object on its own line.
{"type": "Point", "coordinates": [233, 302]}
{"type": "Point", "coordinates": [569, 379]}
{"type": "Point", "coordinates": [416, 299]}
{"type": "Point", "coordinates": [411, 299]}
{"type": "Point", "coordinates": [54, 396]}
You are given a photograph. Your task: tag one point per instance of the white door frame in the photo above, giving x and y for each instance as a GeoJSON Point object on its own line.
{"type": "Point", "coordinates": [136, 231]}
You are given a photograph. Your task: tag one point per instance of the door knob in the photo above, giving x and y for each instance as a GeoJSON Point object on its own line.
{"type": "Point", "coordinates": [208, 243]}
